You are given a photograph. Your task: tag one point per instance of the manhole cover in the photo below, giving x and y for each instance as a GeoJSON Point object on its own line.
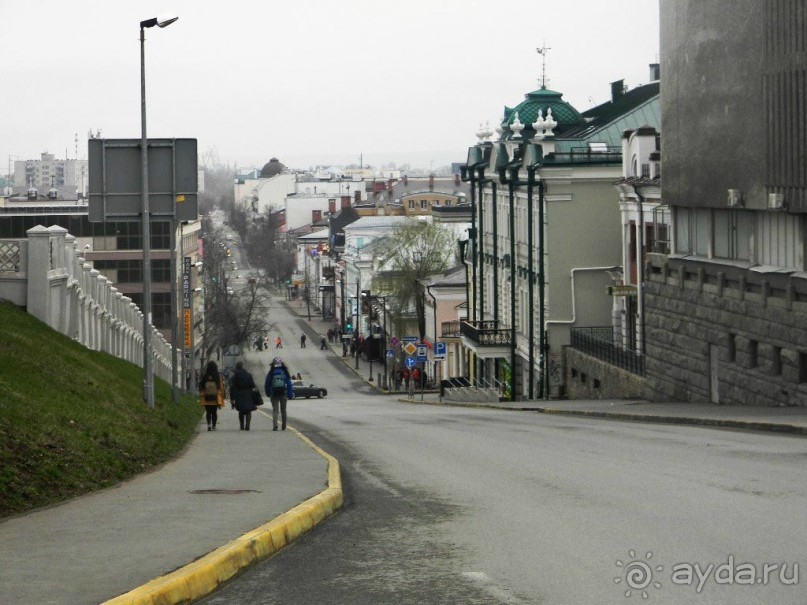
{"type": "Point", "coordinates": [224, 491]}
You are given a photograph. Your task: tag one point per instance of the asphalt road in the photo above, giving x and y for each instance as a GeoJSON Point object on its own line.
{"type": "Point", "coordinates": [462, 505]}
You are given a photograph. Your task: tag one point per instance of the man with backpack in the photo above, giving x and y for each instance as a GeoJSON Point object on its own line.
{"type": "Point", "coordinates": [279, 389]}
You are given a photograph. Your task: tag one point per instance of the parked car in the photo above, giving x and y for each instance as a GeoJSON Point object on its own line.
{"type": "Point", "coordinates": [308, 390]}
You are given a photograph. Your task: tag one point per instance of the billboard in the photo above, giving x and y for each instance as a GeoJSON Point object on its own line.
{"type": "Point", "coordinates": [116, 179]}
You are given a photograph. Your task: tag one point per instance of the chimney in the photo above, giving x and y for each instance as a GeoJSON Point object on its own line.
{"type": "Point", "coordinates": [316, 216]}
{"type": "Point", "coordinates": [406, 181]}
{"type": "Point", "coordinates": [431, 182]}
{"type": "Point", "coordinates": [617, 90]}
{"type": "Point", "coordinates": [456, 180]}
{"type": "Point", "coordinates": [389, 185]}
{"type": "Point", "coordinates": [345, 201]}
{"type": "Point", "coordinates": [331, 206]}
{"type": "Point", "coordinates": [357, 196]}
{"type": "Point", "coordinates": [655, 72]}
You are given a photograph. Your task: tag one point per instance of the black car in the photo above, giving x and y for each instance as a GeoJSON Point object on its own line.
{"type": "Point", "coordinates": [308, 389]}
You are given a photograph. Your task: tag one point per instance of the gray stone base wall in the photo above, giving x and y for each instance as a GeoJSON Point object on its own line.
{"type": "Point", "coordinates": [589, 378]}
{"type": "Point", "coordinates": [758, 333]}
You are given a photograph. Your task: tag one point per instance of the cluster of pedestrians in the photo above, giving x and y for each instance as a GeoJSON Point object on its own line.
{"type": "Point", "coordinates": [409, 379]}
{"type": "Point", "coordinates": [244, 393]}
{"type": "Point", "coordinates": [262, 343]}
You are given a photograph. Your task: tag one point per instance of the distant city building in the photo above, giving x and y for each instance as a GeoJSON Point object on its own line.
{"type": "Point", "coordinates": [47, 173]}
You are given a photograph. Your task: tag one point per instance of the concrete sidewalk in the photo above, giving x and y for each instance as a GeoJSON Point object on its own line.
{"type": "Point", "coordinates": [252, 492]}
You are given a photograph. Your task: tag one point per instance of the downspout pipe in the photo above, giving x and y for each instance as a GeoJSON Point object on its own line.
{"type": "Point", "coordinates": [512, 228]}
{"type": "Point", "coordinates": [468, 174]}
{"type": "Point", "coordinates": [640, 267]}
{"type": "Point", "coordinates": [436, 336]}
{"type": "Point", "coordinates": [559, 322]}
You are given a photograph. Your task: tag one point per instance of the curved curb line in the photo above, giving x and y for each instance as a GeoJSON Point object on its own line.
{"type": "Point", "coordinates": [714, 422]}
{"type": "Point", "coordinates": [207, 573]}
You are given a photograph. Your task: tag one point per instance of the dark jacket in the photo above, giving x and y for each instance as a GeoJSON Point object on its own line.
{"type": "Point", "coordinates": [241, 385]}
{"type": "Point", "coordinates": [267, 385]}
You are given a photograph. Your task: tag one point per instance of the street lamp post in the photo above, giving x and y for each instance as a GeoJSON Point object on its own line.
{"type": "Point", "coordinates": [370, 334]}
{"type": "Point", "coordinates": [148, 376]}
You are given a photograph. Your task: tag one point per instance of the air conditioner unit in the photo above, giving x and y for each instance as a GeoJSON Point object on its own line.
{"type": "Point", "coordinates": [735, 198]}
{"type": "Point", "coordinates": [776, 201]}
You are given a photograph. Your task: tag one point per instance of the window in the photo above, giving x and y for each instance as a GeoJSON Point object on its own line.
{"type": "Point", "coordinates": [424, 204]}
{"type": "Point", "coordinates": [802, 367]}
{"type": "Point", "coordinates": [732, 234]}
{"type": "Point", "coordinates": [753, 354]}
{"type": "Point", "coordinates": [732, 347]}
{"type": "Point", "coordinates": [776, 361]}
{"type": "Point", "coordinates": [411, 204]}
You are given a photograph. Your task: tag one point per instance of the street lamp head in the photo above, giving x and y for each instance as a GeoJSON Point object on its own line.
{"type": "Point", "coordinates": [159, 21]}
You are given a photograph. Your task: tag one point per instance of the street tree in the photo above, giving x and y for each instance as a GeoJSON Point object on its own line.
{"type": "Point", "coordinates": [412, 251]}
{"type": "Point", "coordinates": [266, 247]}
{"type": "Point", "coordinates": [234, 313]}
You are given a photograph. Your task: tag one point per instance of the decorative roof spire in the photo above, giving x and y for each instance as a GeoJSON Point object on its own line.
{"type": "Point", "coordinates": [549, 123]}
{"type": "Point", "coordinates": [516, 127]}
{"type": "Point", "coordinates": [542, 51]}
{"type": "Point", "coordinates": [484, 132]}
{"type": "Point", "coordinates": [538, 125]}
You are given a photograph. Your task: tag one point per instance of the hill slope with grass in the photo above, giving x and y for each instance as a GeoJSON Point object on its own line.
{"type": "Point", "coordinates": [73, 420]}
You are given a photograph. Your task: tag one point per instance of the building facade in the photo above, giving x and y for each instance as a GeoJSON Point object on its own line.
{"type": "Point", "coordinates": [726, 310]}
{"type": "Point", "coordinates": [48, 173]}
{"type": "Point", "coordinates": [546, 233]}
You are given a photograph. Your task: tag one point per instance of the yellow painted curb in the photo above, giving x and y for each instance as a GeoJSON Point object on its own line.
{"type": "Point", "coordinates": [204, 575]}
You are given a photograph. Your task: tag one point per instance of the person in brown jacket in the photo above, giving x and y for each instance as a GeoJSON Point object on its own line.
{"type": "Point", "coordinates": [211, 393]}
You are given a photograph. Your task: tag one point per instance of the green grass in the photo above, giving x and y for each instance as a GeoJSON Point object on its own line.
{"type": "Point", "coordinates": [73, 420]}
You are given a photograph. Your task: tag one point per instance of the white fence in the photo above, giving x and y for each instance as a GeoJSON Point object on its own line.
{"type": "Point", "coordinates": [46, 274]}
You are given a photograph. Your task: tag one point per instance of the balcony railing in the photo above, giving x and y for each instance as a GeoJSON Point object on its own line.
{"type": "Point", "coordinates": [599, 343]}
{"type": "Point", "coordinates": [450, 329]}
{"type": "Point", "coordinates": [486, 333]}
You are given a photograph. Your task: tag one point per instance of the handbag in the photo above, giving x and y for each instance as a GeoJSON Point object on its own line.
{"type": "Point", "coordinates": [257, 400]}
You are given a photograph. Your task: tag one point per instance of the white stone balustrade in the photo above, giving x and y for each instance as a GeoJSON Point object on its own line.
{"type": "Point", "coordinates": [56, 285]}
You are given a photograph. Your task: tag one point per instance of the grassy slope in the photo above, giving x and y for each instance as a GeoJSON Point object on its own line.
{"type": "Point", "coordinates": [73, 420]}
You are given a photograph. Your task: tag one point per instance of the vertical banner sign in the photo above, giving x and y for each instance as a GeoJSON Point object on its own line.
{"type": "Point", "coordinates": [186, 301]}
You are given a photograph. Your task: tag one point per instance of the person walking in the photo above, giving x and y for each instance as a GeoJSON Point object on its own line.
{"type": "Point", "coordinates": [278, 343]}
{"type": "Point", "coordinates": [211, 394]}
{"type": "Point", "coordinates": [241, 386]}
{"type": "Point", "coordinates": [279, 389]}
{"type": "Point", "coordinates": [302, 341]}
{"type": "Point", "coordinates": [323, 344]}
{"type": "Point", "coordinates": [406, 377]}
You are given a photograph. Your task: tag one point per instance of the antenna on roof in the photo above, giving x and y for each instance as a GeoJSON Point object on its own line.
{"type": "Point", "coordinates": [542, 51]}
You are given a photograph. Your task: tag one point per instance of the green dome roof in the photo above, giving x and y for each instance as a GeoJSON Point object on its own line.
{"type": "Point", "coordinates": [542, 99]}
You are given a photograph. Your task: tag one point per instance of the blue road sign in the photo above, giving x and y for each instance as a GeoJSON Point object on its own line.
{"type": "Point", "coordinates": [439, 350]}
{"type": "Point", "coordinates": [410, 362]}
{"type": "Point", "coordinates": [409, 339]}
{"type": "Point", "coordinates": [390, 352]}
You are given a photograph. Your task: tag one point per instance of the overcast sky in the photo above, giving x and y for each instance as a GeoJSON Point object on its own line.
{"type": "Point", "coordinates": [307, 81]}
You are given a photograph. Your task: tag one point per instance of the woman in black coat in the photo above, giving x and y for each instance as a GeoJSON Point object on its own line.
{"type": "Point", "coordinates": [241, 387]}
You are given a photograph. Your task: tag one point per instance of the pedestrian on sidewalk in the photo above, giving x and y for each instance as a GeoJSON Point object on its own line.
{"type": "Point", "coordinates": [211, 394]}
{"type": "Point", "coordinates": [278, 343]}
{"type": "Point", "coordinates": [302, 341]}
{"type": "Point", "coordinates": [344, 348]}
{"type": "Point", "coordinates": [279, 389]}
{"type": "Point", "coordinates": [323, 344]}
{"type": "Point", "coordinates": [266, 341]}
{"type": "Point", "coordinates": [407, 378]}
{"type": "Point", "coordinates": [259, 343]}
{"type": "Point", "coordinates": [241, 386]}
{"type": "Point", "coordinates": [330, 334]}
{"type": "Point", "coordinates": [416, 378]}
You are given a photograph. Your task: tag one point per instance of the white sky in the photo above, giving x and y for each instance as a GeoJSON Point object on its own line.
{"type": "Point", "coordinates": [308, 81]}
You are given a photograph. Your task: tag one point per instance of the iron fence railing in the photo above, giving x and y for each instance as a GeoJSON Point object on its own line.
{"type": "Point", "coordinates": [486, 333]}
{"type": "Point", "coordinates": [599, 342]}
{"type": "Point", "coordinates": [450, 328]}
